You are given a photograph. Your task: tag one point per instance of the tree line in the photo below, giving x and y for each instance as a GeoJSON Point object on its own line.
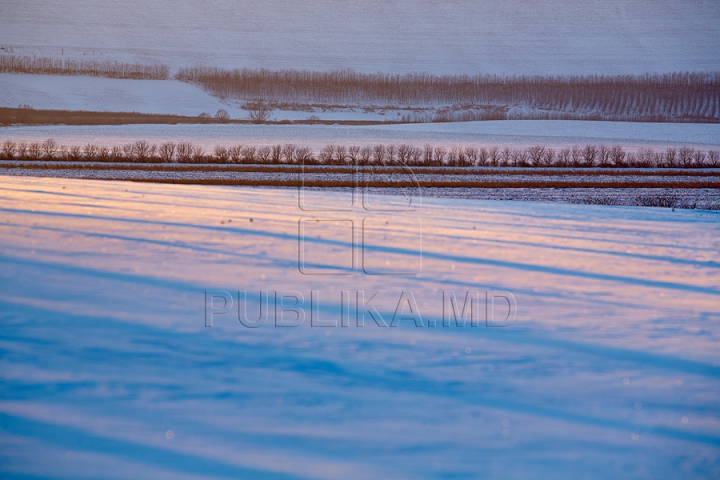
{"type": "Point", "coordinates": [577, 156]}
{"type": "Point", "coordinates": [679, 96]}
{"type": "Point", "coordinates": [669, 97]}
{"type": "Point", "coordinates": [95, 68]}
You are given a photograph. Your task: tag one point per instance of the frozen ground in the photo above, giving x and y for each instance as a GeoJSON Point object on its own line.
{"type": "Point", "coordinates": [610, 369]}
{"type": "Point", "coordinates": [458, 36]}
{"type": "Point", "coordinates": [580, 186]}
{"type": "Point", "coordinates": [56, 92]}
{"type": "Point", "coordinates": [515, 133]}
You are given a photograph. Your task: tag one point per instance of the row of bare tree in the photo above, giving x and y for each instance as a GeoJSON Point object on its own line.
{"type": "Point", "coordinates": [681, 96]}
{"type": "Point", "coordinates": [96, 68]}
{"type": "Point", "coordinates": [536, 156]}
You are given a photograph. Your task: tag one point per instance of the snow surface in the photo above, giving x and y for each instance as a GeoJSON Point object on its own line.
{"type": "Point", "coordinates": [57, 92]}
{"type": "Point", "coordinates": [451, 36]}
{"type": "Point", "coordinates": [514, 133]}
{"type": "Point", "coordinates": [610, 369]}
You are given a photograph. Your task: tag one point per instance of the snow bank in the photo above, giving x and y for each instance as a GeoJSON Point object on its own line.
{"type": "Point", "coordinates": [609, 370]}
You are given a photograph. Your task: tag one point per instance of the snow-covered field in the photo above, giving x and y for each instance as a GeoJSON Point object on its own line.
{"type": "Point", "coordinates": [55, 92]}
{"type": "Point", "coordinates": [172, 97]}
{"type": "Point", "coordinates": [108, 365]}
{"type": "Point", "coordinates": [609, 370]}
{"type": "Point", "coordinates": [457, 36]}
{"type": "Point", "coordinates": [516, 133]}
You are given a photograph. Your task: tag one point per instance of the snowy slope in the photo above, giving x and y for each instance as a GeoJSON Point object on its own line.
{"type": "Point", "coordinates": [515, 133]}
{"type": "Point", "coordinates": [456, 36]}
{"type": "Point", "coordinates": [610, 369]}
{"type": "Point", "coordinates": [54, 92]}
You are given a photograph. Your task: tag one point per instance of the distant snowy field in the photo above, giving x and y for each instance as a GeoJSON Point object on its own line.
{"type": "Point", "coordinates": [513, 133]}
{"type": "Point", "coordinates": [98, 94]}
{"type": "Point", "coordinates": [456, 36]}
{"type": "Point", "coordinates": [56, 92]}
{"type": "Point", "coordinates": [610, 370]}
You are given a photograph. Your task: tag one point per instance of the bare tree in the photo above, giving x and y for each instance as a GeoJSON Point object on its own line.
{"type": "Point", "coordinates": [327, 154]}
{"type": "Point", "coordinates": [141, 150]}
{"type": "Point", "coordinates": [604, 156]}
{"type": "Point", "coordinates": [166, 152]}
{"type": "Point", "coordinates": [116, 153]}
{"type": "Point", "coordinates": [354, 154]}
{"type": "Point", "coordinates": [462, 159]}
{"type": "Point", "coordinates": [303, 155]}
{"type": "Point", "coordinates": [714, 158]}
{"type": "Point", "coordinates": [588, 155]}
{"type": "Point", "coordinates": [483, 157]}
{"type": "Point", "coordinates": [390, 152]}
{"type": "Point", "coordinates": [365, 155]}
{"type": "Point", "coordinates": [248, 154]}
{"type": "Point", "coordinates": [506, 157]}
{"type": "Point", "coordinates": [223, 115]}
{"type": "Point", "coordinates": [617, 156]}
{"type": "Point", "coordinates": [90, 151]}
{"type": "Point", "coordinates": [439, 156]}
{"type": "Point", "coordinates": [103, 153]}
{"type": "Point", "coordinates": [22, 150]}
{"type": "Point", "coordinates": [670, 158]}
{"type": "Point", "coordinates": [8, 149]}
{"type": "Point", "coordinates": [415, 155]}
{"type": "Point", "coordinates": [288, 153]}
{"type": "Point", "coordinates": [699, 158]}
{"type": "Point", "coordinates": [403, 153]}
{"type": "Point", "coordinates": [520, 157]}
{"type": "Point", "coordinates": [184, 151]}
{"type": "Point", "coordinates": [221, 154]}
{"type": "Point", "coordinates": [452, 156]}
{"type": "Point", "coordinates": [549, 158]}
{"type": "Point", "coordinates": [276, 155]}
{"type": "Point", "coordinates": [471, 155]}
{"type": "Point", "coordinates": [576, 156]}
{"type": "Point", "coordinates": [49, 147]}
{"type": "Point", "coordinates": [74, 152]}
{"type": "Point", "coordinates": [379, 154]}
{"type": "Point", "coordinates": [428, 154]}
{"type": "Point", "coordinates": [235, 153]}
{"type": "Point", "coordinates": [535, 155]}
{"type": "Point", "coordinates": [128, 151]}
{"type": "Point", "coordinates": [340, 154]}
{"type": "Point", "coordinates": [685, 156]}
{"type": "Point", "coordinates": [494, 156]}
{"type": "Point", "coordinates": [63, 153]}
{"type": "Point", "coordinates": [644, 157]}
{"type": "Point", "coordinates": [564, 157]}
{"type": "Point", "coordinates": [258, 112]}
{"type": "Point", "coordinates": [264, 154]}
{"type": "Point", "coordinates": [198, 155]}
{"type": "Point", "coordinates": [34, 151]}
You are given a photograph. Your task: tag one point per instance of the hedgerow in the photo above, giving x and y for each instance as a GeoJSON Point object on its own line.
{"type": "Point", "coordinates": [586, 156]}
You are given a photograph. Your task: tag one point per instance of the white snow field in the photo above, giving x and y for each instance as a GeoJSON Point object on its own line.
{"type": "Point", "coordinates": [610, 369]}
{"type": "Point", "coordinates": [513, 133]}
{"type": "Point", "coordinates": [451, 36]}
{"type": "Point", "coordinates": [94, 94]}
